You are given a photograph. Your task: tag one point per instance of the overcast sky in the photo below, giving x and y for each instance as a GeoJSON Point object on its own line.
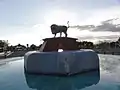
{"type": "Point", "coordinates": [28, 21]}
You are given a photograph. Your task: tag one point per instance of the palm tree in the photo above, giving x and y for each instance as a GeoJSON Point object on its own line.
{"type": "Point", "coordinates": [27, 46]}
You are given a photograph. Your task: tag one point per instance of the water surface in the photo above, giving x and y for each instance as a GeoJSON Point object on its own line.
{"type": "Point", "coordinates": [13, 77]}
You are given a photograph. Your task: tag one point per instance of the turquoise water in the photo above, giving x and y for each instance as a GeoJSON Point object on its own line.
{"type": "Point", "coordinates": [12, 77]}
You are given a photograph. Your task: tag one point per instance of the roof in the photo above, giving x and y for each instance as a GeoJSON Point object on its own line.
{"type": "Point", "coordinates": [53, 44]}
{"type": "Point", "coordinates": [56, 38]}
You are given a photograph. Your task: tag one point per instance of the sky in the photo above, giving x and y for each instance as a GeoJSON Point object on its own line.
{"type": "Point", "coordinates": [28, 21]}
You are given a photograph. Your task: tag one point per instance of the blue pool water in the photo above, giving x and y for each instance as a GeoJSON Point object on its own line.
{"type": "Point", "coordinates": [13, 77]}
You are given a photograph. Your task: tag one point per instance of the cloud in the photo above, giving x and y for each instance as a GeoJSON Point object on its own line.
{"type": "Point", "coordinates": [95, 16]}
{"type": "Point", "coordinates": [107, 25]}
{"type": "Point", "coordinates": [83, 27]}
{"type": "Point", "coordinates": [110, 20]}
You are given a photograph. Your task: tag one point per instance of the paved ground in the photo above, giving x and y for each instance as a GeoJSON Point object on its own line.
{"type": "Point", "coordinates": [12, 54]}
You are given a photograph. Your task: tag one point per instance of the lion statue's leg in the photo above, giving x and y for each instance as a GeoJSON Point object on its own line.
{"type": "Point", "coordinates": [60, 34]}
{"type": "Point", "coordinates": [55, 35]}
{"type": "Point", "coordinates": [65, 34]}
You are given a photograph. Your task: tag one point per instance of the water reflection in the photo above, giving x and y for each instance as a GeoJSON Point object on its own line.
{"type": "Point", "coordinates": [41, 82]}
{"type": "Point", "coordinates": [3, 64]}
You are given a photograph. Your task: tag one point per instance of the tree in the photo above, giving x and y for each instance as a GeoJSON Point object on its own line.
{"type": "Point", "coordinates": [3, 43]}
{"type": "Point", "coordinates": [104, 45]}
{"type": "Point", "coordinates": [33, 47]}
{"type": "Point", "coordinates": [85, 44]}
{"type": "Point", "coordinates": [119, 39]}
{"type": "Point", "coordinates": [11, 48]}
